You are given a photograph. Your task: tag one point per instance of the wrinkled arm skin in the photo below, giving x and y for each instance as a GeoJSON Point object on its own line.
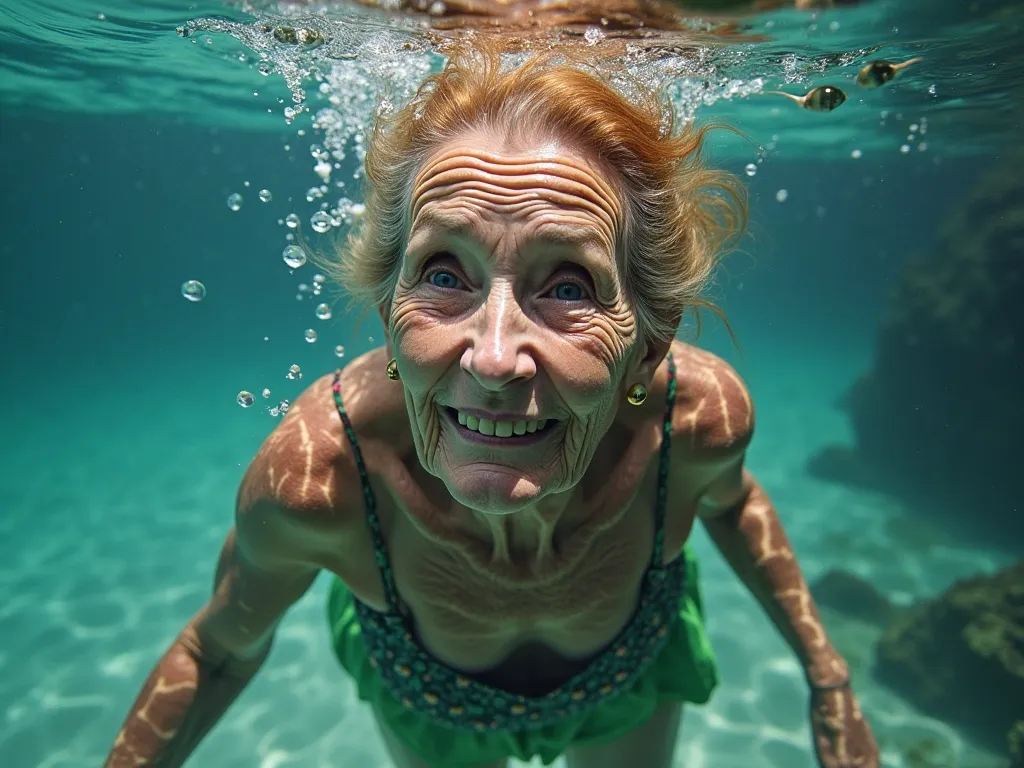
{"type": "Point", "coordinates": [219, 650]}
{"type": "Point", "coordinates": [743, 524]}
{"type": "Point", "coordinates": [268, 561]}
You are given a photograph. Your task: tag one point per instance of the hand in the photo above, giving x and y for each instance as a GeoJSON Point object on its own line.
{"type": "Point", "coordinates": [842, 737]}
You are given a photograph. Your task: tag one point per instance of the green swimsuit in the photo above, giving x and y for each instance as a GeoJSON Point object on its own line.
{"type": "Point", "coordinates": [451, 720]}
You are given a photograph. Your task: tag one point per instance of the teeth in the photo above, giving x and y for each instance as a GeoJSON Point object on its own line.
{"type": "Point", "coordinates": [500, 428]}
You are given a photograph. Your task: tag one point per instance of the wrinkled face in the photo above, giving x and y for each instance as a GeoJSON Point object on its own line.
{"type": "Point", "coordinates": [510, 321]}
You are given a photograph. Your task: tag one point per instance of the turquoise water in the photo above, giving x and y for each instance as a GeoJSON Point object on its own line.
{"type": "Point", "coordinates": [121, 140]}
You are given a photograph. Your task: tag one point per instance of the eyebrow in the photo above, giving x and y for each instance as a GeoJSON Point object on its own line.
{"type": "Point", "coordinates": [458, 226]}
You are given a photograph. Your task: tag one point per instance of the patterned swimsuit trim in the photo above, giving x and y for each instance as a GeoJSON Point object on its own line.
{"type": "Point", "coordinates": [448, 698]}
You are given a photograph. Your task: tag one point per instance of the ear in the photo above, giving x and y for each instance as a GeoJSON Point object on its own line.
{"type": "Point", "coordinates": [648, 357]}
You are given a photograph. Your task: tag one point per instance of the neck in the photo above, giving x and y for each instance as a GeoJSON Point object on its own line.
{"type": "Point", "coordinates": [530, 537]}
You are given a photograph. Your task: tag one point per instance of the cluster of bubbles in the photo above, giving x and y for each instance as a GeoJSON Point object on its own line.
{"type": "Point", "coordinates": [235, 199]}
{"type": "Point", "coordinates": [313, 290]}
{"type": "Point", "coordinates": [916, 134]}
{"type": "Point", "coordinates": [247, 400]}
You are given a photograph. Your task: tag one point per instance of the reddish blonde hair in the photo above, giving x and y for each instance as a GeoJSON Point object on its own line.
{"type": "Point", "coordinates": [680, 215]}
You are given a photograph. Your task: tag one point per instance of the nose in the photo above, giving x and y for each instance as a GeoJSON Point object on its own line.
{"type": "Point", "coordinates": [497, 353]}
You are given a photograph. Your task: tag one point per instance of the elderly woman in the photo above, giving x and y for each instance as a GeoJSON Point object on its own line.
{"type": "Point", "coordinates": [503, 493]}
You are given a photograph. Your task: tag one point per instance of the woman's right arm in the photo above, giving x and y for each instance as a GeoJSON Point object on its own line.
{"type": "Point", "coordinates": [261, 572]}
{"type": "Point", "coordinates": [293, 516]}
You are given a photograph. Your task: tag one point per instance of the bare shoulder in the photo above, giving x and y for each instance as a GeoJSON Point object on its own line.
{"type": "Point", "coordinates": [306, 473]}
{"type": "Point", "coordinates": [713, 416]}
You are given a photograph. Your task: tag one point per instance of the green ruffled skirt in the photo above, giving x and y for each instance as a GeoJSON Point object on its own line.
{"type": "Point", "coordinates": [684, 671]}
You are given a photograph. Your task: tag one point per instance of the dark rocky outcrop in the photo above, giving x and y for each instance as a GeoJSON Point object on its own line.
{"type": "Point", "coordinates": [853, 597]}
{"type": "Point", "coordinates": [960, 658]}
{"type": "Point", "coordinates": [1015, 742]}
{"type": "Point", "coordinates": [939, 418]}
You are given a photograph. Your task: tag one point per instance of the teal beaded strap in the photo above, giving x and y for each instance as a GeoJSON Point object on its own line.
{"type": "Point", "coordinates": [380, 550]}
{"type": "Point", "coordinates": [658, 555]}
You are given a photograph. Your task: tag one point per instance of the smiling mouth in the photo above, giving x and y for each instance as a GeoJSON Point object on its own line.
{"type": "Point", "coordinates": [500, 430]}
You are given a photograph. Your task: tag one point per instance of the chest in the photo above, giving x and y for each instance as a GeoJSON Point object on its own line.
{"type": "Point", "coordinates": [479, 621]}
{"type": "Point", "coordinates": [474, 616]}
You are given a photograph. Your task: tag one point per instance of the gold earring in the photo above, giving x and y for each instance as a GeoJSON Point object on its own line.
{"type": "Point", "coordinates": [637, 394]}
{"type": "Point", "coordinates": [392, 369]}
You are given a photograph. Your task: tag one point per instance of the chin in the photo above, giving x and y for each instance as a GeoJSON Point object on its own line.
{"type": "Point", "coordinates": [491, 492]}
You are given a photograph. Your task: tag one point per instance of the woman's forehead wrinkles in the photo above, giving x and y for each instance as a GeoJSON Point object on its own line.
{"type": "Point", "coordinates": [580, 234]}
{"type": "Point", "coordinates": [566, 175]}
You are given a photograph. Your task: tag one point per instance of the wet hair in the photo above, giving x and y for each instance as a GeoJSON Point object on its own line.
{"type": "Point", "coordinates": [680, 216]}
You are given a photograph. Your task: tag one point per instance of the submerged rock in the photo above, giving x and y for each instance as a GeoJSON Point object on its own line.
{"type": "Point", "coordinates": [1015, 741]}
{"type": "Point", "coordinates": [939, 417]}
{"type": "Point", "coordinates": [852, 596]}
{"type": "Point", "coordinates": [960, 657]}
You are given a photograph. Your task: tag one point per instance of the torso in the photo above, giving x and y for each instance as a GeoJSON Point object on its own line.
{"type": "Point", "coordinates": [505, 619]}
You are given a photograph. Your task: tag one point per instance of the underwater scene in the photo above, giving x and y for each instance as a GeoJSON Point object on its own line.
{"type": "Point", "coordinates": [197, 239]}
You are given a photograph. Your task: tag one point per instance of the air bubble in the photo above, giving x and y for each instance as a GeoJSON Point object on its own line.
{"type": "Point", "coordinates": [856, 154]}
{"type": "Point", "coordinates": [265, 195]}
{"type": "Point", "coordinates": [292, 221]}
{"type": "Point", "coordinates": [323, 312]}
{"type": "Point", "coordinates": [294, 256]}
{"type": "Point", "coordinates": [781, 195]}
{"type": "Point", "coordinates": [234, 201]}
{"type": "Point", "coordinates": [320, 222]}
{"type": "Point", "coordinates": [265, 393]}
{"type": "Point", "coordinates": [905, 149]}
{"type": "Point", "coordinates": [193, 290]}
{"type": "Point", "coordinates": [339, 351]}
{"type": "Point", "coordinates": [751, 169]}
{"type": "Point", "coordinates": [294, 372]}
{"type": "Point", "coordinates": [245, 399]}
{"type": "Point", "coordinates": [310, 335]}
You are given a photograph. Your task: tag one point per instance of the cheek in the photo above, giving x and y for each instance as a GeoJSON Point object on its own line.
{"type": "Point", "coordinates": [422, 342]}
{"type": "Point", "coordinates": [584, 380]}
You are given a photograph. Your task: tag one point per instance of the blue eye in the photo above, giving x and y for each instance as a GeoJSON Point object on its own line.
{"type": "Point", "coordinates": [568, 292]}
{"type": "Point", "coordinates": [443, 279]}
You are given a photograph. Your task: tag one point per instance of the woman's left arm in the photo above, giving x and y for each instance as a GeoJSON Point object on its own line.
{"type": "Point", "coordinates": [742, 522]}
